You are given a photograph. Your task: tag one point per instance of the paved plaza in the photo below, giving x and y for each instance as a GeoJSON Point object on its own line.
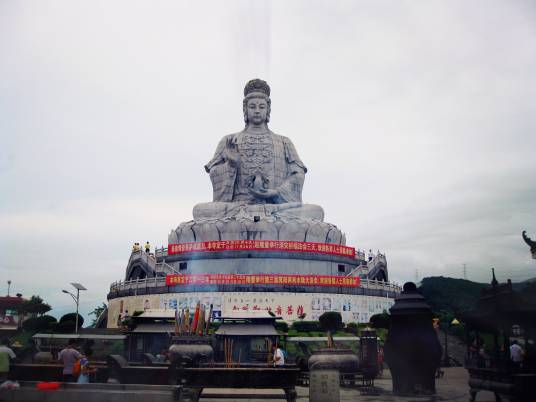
{"type": "Point", "coordinates": [452, 387]}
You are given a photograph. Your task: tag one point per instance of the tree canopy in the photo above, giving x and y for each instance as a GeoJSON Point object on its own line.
{"type": "Point", "coordinates": [35, 305]}
{"type": "Point", "coordinates": [97, 312]}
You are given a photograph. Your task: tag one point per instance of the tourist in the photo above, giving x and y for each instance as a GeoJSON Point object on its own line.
{"type": "Point", "coordinates": [380, 361]}
{"type": "Point", "coordinates": [6, 354]}
{"type": "Point", "coordinates": [278, 356]}
{"type": "Point", "coordinates": [69, 356]}
{"type": "Point", "coordinates": [85, 369]}
{"type": "Point", "coordinates": [516, 354]}
{"type": "Point", "coordinates": [147, 248]}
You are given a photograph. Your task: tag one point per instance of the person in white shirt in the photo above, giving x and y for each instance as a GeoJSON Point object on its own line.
{"type": "Point", "coordinates": [6, 354]}
{"type": "Point", "coordinates": [278, 356]}
{"type": "Point", "coordinates": [516, 353]}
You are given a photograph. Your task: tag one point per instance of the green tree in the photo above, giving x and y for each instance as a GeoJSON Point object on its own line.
{"type": "Point", "coordinates": [382, 320]}
{"type": "Point", "coordinates": [97, 313]}
{"type": "Point", "coordinates": [42, 323]}
{"type": "Point", "coordinates": [35, 305]}
{"type": "Point", "coordinates": [330, 322]}
{"type": "Point", "coordinates": [67, 322]}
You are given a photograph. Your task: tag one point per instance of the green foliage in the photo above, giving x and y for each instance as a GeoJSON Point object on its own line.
{"type": "Point", "coordinates": [67, 322]}
{"type": "Point", "coordinates": [381, 321]}
{"type": "Point", "coordinates": [331, 321]}
{"type": "Point", "coordinates": [36, 324]}
{"type": "Point", "coordinates": [306, 326]}
{"type": "Point", "coordinates": [35, 305]}
{"type": "Point", "coordinates": [352, 327]}
{"type": "Point", "coordinates": [281, 326]}
{"type": "Point", "coordinates": [97, 312]}
{"type": "Point", "coordinates": [213, 327]}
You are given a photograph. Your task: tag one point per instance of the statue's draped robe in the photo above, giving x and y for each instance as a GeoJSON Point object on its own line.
{"type": "Point", "coordinates": [267, 155]}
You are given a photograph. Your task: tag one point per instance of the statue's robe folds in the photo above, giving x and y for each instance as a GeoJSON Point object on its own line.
{"type": "Point", "coordinates": [268, 156]}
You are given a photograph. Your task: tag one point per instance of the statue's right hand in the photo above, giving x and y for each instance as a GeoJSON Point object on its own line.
{"type": "Point", "coordinates": [231, 152]}
{"type": "Point", "coordinates": [231, 142]}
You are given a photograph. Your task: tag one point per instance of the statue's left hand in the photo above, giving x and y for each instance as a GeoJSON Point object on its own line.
{"type": "Point", "coordinates": [264, 193]}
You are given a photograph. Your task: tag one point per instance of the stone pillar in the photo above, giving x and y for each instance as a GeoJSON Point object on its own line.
{"type": "Point", "coordinates": [324, 385]}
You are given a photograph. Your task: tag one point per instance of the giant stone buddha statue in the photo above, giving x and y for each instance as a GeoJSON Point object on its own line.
{"type": "Point", "coordinates": [257, 179]}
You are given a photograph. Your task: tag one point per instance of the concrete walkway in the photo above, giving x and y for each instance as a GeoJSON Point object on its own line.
{"type": "Point", "coordinates": [452, 387]}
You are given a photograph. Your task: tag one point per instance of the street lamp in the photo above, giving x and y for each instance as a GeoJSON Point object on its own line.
{"type": "Point", "coordinates": [76, 299]}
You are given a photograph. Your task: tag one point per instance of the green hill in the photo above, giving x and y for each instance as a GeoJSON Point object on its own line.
{"type": "Point", "coordinates": [460, 295]}
{"type": "Point", "coordinates": [450, 294]}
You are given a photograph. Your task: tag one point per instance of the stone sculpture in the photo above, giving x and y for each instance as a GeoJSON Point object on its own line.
{"type": "Point", "coordinates": [531, 244]}
{"type": "Point", "coordinates": [257, 179]}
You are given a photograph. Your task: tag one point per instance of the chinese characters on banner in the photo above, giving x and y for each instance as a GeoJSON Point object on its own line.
{"type": "Point", "coordinates": [262, 279]}
{"type": "Point", "coordinates": [289, 306]}
{"type": "Point", "coordinates": [261, 245]}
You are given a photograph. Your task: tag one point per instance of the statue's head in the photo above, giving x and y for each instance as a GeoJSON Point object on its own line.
{"type": "Point", "coordinates": [257, 104]}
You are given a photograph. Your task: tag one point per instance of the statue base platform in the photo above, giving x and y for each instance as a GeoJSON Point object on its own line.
{"type": "Point", "coordinates": [231, 221]}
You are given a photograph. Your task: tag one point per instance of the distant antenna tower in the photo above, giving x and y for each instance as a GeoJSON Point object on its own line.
{"type": "Point", "coordinates": [464, 271]}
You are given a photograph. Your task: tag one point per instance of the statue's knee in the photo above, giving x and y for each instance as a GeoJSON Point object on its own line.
{"type": "Point", "coordinates": [206, 210]}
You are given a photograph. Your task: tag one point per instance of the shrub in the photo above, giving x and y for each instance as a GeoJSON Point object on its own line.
{"type": "Point", "coordinates": [352, 327]}
{"type": "Point", "coordinates": [381, 321]}
{"type": "Point", "coordinates": [306, 326]}
{"type": "Point", "coordinates": [67, 322]}
{"type": "Point", "coordinates": [281, 326]}
{"type": "Point", "coordinates": [330, 322]}
{"type": "Point", "coordinates": [37, 324]}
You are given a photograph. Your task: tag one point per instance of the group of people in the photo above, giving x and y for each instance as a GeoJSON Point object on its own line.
{"type": "Point", "coordinates": [137, 248]}
{"type": "Point", "coordinates": [76, 366]}
{"type": "Point", "coordinates": [371, 254]}
{"type": "Point", "coordinates": [477, 350]}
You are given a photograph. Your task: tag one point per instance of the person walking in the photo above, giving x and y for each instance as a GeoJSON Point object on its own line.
{"type": "Point", "coordinates": [69, 356]}
{"type": "Point", "coordinates": [278, 356]}
{"type": "Point", "coordinates": [516, 354]}
{"type": "Point", "coordinates": [380, 361]}
{"type": "Point", "coordinates": [6, 354]}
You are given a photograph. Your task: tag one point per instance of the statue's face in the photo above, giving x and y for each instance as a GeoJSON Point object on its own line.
{"type": "Point", "coordinates": [257, 109]}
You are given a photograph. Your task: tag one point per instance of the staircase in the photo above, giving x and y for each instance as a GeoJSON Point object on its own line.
{"type": "Point", "coordinates": [456, 349]}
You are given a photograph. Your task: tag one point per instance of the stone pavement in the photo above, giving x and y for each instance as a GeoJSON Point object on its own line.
{"type": "Point", "coordinates": [452, 387]}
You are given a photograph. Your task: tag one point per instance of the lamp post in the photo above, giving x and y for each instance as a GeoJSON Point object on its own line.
{"type": "Point", "coordinates": [76, 299]}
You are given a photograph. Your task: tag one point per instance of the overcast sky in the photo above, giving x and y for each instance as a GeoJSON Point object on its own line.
{"type": "Point", "coordinates": [415, 119]}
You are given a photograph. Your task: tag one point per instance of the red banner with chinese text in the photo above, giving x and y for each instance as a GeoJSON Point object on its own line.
{"type": "Point", "coordinates": [262, 279]}
{"type": "Point", "coordinates": [261, 245]}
